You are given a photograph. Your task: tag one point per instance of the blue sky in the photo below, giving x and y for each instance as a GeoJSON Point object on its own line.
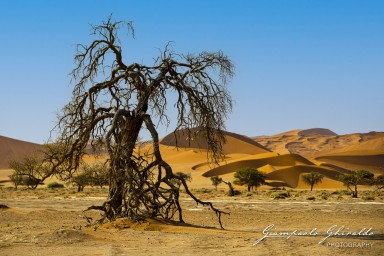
{"type": "Point", "coordinates": [299, 64]}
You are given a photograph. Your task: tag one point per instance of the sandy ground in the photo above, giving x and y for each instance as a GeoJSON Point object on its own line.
{"type": "Point", "coordinates": [50, 222]}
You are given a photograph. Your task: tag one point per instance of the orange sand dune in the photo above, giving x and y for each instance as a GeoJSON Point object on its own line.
{"type": "Point", "coordinates": [235, 143]}
{"type": "Point", "coordinates": [230, 158]}
{"type": "Point", "coordinates": [316, 142]}
{"type": "Point", "coordinates": [291, 175]}
{"type": "Point", "coordinates": [369, 147]}
{"type": "Point", "coordinates": [301, 132]}
{"type": "Point", "coordinates": [282, 161]}
{"type": "Point", "coordinates": [368, 155]}
{"type": "Point", "coordinates": [336, 154]}
{"type": "Point", "coordinates": [373, 163]}
{"type": "Point", "coordinates": [11, 149]}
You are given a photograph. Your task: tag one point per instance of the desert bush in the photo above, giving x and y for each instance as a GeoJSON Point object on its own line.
{"type": "Point", "coordinates": [368, 198]}
{"type": "Point", "coordinates": [235, 192]}
{"type": "Point", "coordinates": [342, 192]}
{"type": "Point", "coordinates": [324, 195]}
{"type": "Point", "coordinates": [55, 185]}
{"type": "Point", "coordinates": [311, 198]}
{"type": "Point", "coordinates": [280, 195]}
{"type": "Point", "coordinates": [249, 194]}
{"type": "Point", "coordinates": [203, 190]}
{"type": "Point", "coordinates": [301, 192]}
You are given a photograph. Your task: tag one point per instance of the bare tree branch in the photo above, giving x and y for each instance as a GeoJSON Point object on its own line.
{"type": "Point", "coordinates": [112, 102]}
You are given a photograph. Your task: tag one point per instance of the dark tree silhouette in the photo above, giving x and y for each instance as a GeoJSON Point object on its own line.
{"type": "Point", "coordinates": [113, 102]}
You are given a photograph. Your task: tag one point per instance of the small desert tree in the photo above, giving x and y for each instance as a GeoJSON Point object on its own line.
{"type": "Point", "coordinates": [356, 178]}
{"type": "Point", "coordinates": [90, 174]}
{"type": "Point", "coordinates": [379, 182]}
{"type": "Point", "coordinates": [30, 171]}
{"type": "Point", "coordinates": [216, 181]}
{"type": "Point", "coordinates": [312, 178]}
{"type": "Point", "coordinates": [249, 177]}
{"type": "Point", "coordinates": [16, 179]}
{"type": "Point", "coordinates": [98, 173]}
{"type": "Point", "coordinates": [80, 181]}
{"type": "Point", "coordinates": [114, 101]}
{"type": "Point", "coordinates": [231, 190]}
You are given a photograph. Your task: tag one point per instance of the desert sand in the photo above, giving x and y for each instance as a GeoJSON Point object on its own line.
{"type": "Point", "coordinates": [46, 222]}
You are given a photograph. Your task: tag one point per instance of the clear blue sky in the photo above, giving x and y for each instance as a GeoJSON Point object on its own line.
{"type": "Point", "coordinates": [299, 64]}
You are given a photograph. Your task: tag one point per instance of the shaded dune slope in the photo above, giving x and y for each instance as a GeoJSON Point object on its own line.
{"type": "Point", "coordinates": [291, 175]}
{"type": "Point", "coordinates": [373, 163]}
{"type": "Point", "coordinates": [282, 161]}
{"type": "Point", "coordinates": [12, 149]}
{"type": "Point", "coordinates": [367, 155]}
{"type": "Point", "coordinates": [317, 131]}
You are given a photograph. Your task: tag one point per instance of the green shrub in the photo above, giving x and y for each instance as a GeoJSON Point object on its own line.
{"type": "Point", "coordinates": [55, 185]}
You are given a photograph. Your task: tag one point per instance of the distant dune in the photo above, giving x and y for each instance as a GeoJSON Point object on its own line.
{"type": "Point", "coordinates": [275, 161]}
{"type": "Point", "coordinates": [12, 149]}
{"type": "Point", "coordinates": [291, 175]}
{"type": "Point", "coordinates": [363, 147]}
{"type": "Point", "coordinates": [283, 157]}
{"type": "Point", "coordinates": [315, 142]}
{"type": "Point", "coordinates": [317, 131]}
{"type": "Point", "coordinates": [236, 143]}
{"type": "Point", "coordinates": [372, 163]}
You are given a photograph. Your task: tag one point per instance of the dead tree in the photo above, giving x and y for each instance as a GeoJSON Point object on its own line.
{"type": "Point", "coordinates": [113, 102]}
